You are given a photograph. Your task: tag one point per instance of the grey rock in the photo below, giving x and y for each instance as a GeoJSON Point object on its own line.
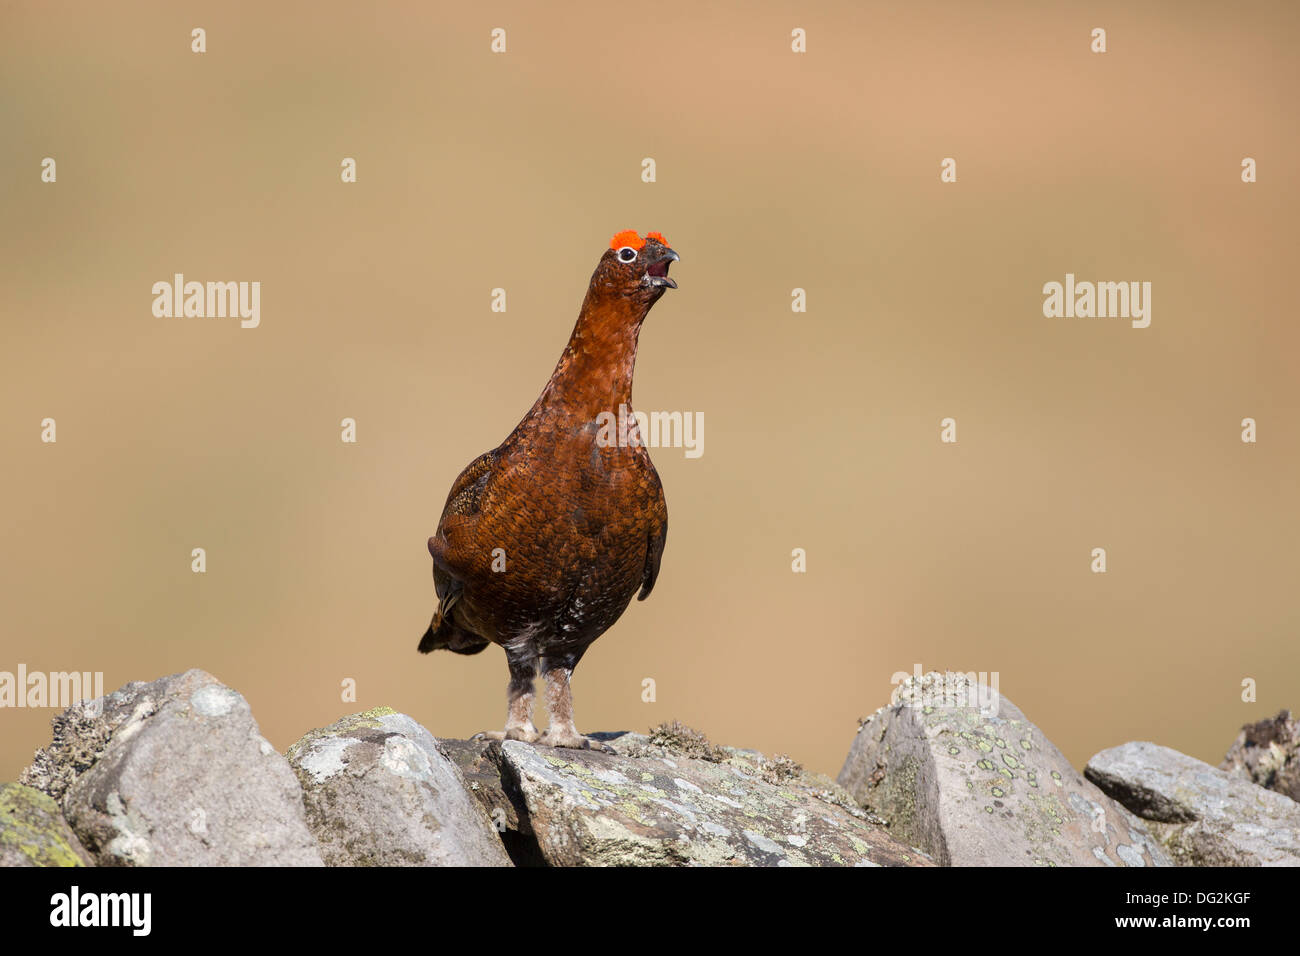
{"type": "Point", "coordinates": [1203, 815]}
{"type": "Point", "coordinates": [379, 792]}
{"type": "Point", "coordinates": [959, 771]}
{"type": "Point", "coordinates": [1267, 752]}
{"type": "Point", "coordinates": [175, 773]}
{"type": "Point", "coordinates": [33, 831]}
{"type": "Point", "coordinates": [649, 804]}
{"type": "Point", "coordinates": [479, 762]}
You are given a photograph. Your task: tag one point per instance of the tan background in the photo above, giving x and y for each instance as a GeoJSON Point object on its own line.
{"type": "Point", "coordinates": [822, 430]}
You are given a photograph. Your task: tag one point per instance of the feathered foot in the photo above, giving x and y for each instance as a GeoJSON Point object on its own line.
{"type": "Point", "coordinates": [559, 702]}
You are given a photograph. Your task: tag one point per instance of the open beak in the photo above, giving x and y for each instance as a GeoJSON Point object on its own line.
{"type": "Point", "coordinates": [657, 274]}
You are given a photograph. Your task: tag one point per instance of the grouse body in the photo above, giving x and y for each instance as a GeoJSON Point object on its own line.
{"type": "Point", "coordinates": [544, 539]}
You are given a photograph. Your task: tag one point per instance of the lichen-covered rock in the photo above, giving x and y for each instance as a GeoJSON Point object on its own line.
{"type": "Point", "coordinates": [1268, 753]}
{"type": "Point", "coordinates": [33, 831]}
{"type": "Point", "coordinates": [959, 771]}
{"type": "Point", "coordinates": [1205, 816]}
{"type": "Point", "coordinates": [378, 792]}
{"type": "Point", "coordinates": [175, 773]}
{"type": "Point", "coordinates": [650, 804]}
{"type": "Point", "coordinates": [479, 762]}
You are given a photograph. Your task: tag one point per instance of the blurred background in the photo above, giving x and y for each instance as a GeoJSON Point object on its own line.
{"type": "Point", "coordinates": [775, 170]}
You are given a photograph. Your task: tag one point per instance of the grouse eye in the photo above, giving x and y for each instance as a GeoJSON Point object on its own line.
{"type": "Point", "coordinates": [626, 254]}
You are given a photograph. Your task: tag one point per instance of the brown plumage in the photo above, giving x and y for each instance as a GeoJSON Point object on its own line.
{"type": "Point", "coordinates": [544, 540]}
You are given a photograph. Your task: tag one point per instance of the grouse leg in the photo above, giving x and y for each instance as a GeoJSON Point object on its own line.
{"type": "Point", "coordinates": [559, 705]}
{"type": "Point", "coordinates": [522, 660]}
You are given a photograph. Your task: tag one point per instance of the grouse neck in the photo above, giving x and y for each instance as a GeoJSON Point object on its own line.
{"type": "Point", "coordinates": [595, 370]}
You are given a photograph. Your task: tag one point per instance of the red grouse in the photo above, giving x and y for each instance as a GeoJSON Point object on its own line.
{"type": "Point", "coordinates": [544, 540]}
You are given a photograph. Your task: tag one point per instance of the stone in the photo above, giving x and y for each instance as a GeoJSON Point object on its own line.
{"type": "Point", "coordinates": [174, 773]}
{"type": "Point", "coordinates": [651, 804]}
{"type": "Point", "coordinates": [479, 762]}
{"type": "Point", "coordinates": [1203, 815]}
{"type": "Point", "coordinates": [33, 831]}
{"type": "Point", "coordinates": [960, 772]}
{"type": "Point", "coordinates": [379, 792]}
{"type": "Point", "coordinates": [1267, 752]}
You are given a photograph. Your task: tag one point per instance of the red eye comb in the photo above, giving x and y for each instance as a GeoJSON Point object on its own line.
{"type": "Point", "coordinates": [629, 237]}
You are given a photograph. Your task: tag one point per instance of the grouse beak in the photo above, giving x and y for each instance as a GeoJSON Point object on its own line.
{"type": "Point", "coordinates": [656, 275]}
